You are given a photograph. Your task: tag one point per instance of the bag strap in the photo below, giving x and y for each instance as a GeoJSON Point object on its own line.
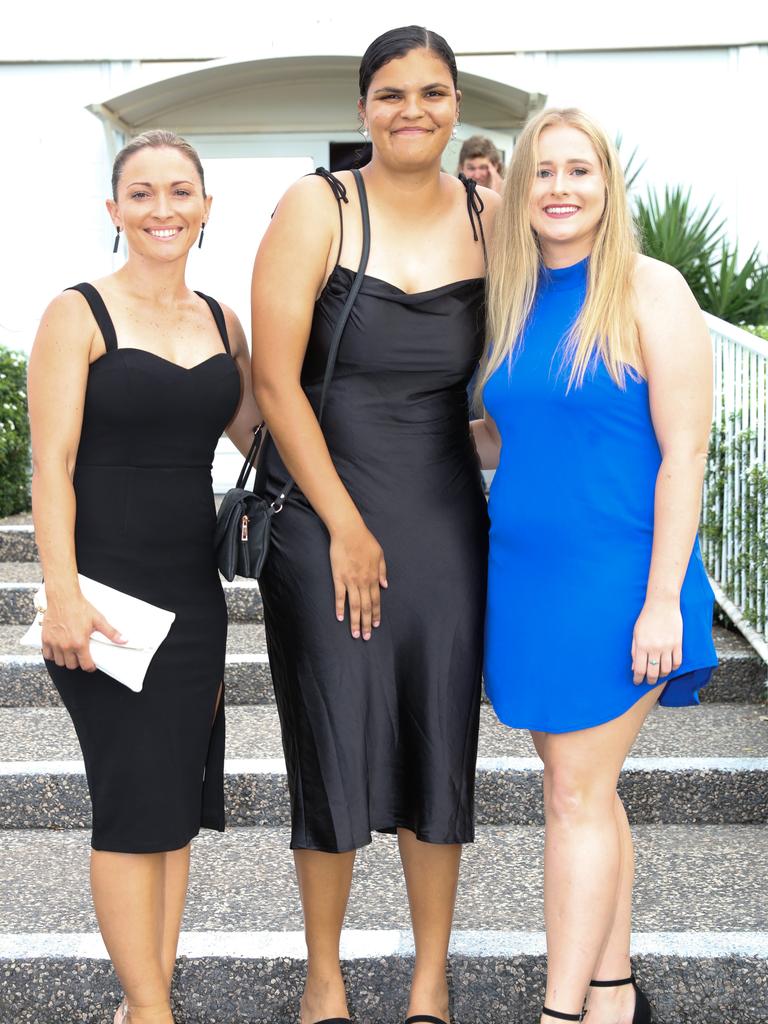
{"type": "Point", "coordinates": [340, 194]}
{"type": "Point", "coordinates": [333, 348]}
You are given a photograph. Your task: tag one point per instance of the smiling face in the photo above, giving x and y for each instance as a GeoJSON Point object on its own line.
{"type": "Point", "coordinates": [160, 205]}
{"type": "Point", "coordinates": [410, 110]}
{"type": "Point", "coordinates": [567, 197]}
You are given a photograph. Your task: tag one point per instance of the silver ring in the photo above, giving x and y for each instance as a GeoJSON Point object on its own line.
{"type": "Point", "coordinates": [652, 662]}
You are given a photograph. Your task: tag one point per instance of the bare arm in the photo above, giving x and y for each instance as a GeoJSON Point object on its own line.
{"type": "Point", "coordinates": [287, 277]}
{"type": "Point", "coordinates": [58, 374]}
{"type": "Point", "coordinates": [678, 360]}
{"type": "Point", "coordinates": [487, 440]}
{"type": "Point", "coordinates": [485, 433]}
{"type": "Point", "coordinates": [248, 416]}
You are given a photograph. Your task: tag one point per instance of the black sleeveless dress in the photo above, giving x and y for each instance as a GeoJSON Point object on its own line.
{"type": "Point", "coordinates": [145, 518]}
{"type": "Point", "coordinates": [382, 734]}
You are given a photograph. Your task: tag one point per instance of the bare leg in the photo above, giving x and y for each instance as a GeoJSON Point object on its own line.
{"type": "Point", "coordinates": [617, 1005]}
{"type": "Point", "coordinates": [128, 899]}
{"type": "Point", "coordinates": [431, 875]}
{"type": "Point", "coordinates": [324, 884]}
{"type": "Point", "coordinates": [583, 850]}
{"type": "Point", "coordinates": [176, 880]}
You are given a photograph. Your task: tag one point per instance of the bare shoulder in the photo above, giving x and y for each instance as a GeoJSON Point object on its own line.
{"type": "Point", "coordinates": [68, 316]}
{"type": "Point", "coordinates": [670, 324]}
{"type": "Point", "coordinates": [491, 199]}
{"type": "Point", "coordinates": [656, 283]}
{"type": "Point", "coordinates": [309, 196]}
{"type": "Point", "coordinates": [491, 206]}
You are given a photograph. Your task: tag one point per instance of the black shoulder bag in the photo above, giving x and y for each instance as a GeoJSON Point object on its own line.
{"type": "Point", "coordinates": [243, 523]}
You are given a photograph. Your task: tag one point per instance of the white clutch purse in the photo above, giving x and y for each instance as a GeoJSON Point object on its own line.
{"type": "Point", "coordinates": [144, 626]}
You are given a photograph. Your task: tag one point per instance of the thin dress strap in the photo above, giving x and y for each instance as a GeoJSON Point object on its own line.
{"type": "Point", "coordinates": [340, 194]}
{"type": "Point", "coordinates": [475, 207]}
{"type": "Point", "coordinates": [100, 313]}
{"type": "Point", "coordinates": [218, 316]}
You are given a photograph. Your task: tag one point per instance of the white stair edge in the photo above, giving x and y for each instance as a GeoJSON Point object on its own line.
{"type": "Point", "coordinates": [237, 584]}
{"type": "Point", "coordinates": [37, 659]}
{"type": "Point", "coordinates": [276, 765]}
{"type": "Point", "coordinates": [359, 944]}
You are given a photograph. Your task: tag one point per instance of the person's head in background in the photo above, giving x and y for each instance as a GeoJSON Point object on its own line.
{"type": "Point", "coordinates": [480, 159]}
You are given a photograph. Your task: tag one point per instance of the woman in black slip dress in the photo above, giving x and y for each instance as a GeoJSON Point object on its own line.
{"type": "Point", "coordinates": [132, 381]}
{"type": "Point", "coordinates": [379, 710]}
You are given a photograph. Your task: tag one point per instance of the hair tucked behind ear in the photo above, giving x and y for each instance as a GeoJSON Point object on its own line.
{"type": "Point", "coordinates": [605, 327]}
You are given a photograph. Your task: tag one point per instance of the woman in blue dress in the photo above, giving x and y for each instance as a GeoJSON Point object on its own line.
{"type": "Point", "coordinates": [598, 390]}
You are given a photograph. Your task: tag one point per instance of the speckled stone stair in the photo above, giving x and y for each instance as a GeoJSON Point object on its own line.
{"type": "Point", "coordinates": [699, 929]}
{"type": "Point", "coordinates": [696, 788]}
{"type": "Point", "coordinates": [740, 678]}
{"type": "Point", "coordinates": [666, 779]}
{"type": "Point", "coordinates": [20, 580]}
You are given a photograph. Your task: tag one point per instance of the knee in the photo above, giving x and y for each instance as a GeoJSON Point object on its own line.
{"type": "Point", "coordinates": [573, 797]}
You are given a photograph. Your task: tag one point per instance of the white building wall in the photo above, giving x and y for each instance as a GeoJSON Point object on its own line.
{"type": "Point", "coordinates": [54, 179]}
{"type": "Point", "coordinates": [696, 115]}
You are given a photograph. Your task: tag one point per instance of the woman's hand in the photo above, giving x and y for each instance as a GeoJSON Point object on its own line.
{"type": "Point", "coordinates": [359, 573]}
{"type": "Point", "coordinates": [657, 641]}
{"type": "Point", "coordinates": [67, 628]}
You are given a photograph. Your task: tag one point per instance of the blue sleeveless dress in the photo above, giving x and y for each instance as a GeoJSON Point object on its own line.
{"type": "Point", "coordinates": [571, 509]}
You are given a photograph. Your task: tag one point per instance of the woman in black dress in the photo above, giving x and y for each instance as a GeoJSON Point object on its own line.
{"type": "Point", "coordinates": [132, 381]}
{"type": "Point", "coordinates": [379, 710]}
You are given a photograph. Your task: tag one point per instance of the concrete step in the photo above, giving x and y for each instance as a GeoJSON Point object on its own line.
{"type": "Point", "coordinates": [705, 765]}
{"type": "Point", "coordinates": [20, 580]}
{"type": "Point", "coordinates": [17, 540]}
{"type": "Point", "coordinates": [715, 731]}
{"type": "Point", "coordinates": [740, 679]}
{"type": "Point", "coordinates": [700, 923]}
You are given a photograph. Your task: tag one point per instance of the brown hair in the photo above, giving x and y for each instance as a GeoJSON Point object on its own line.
{"type": "Point", "coordinates": [157, 138]}
{"type": "Point", "coordinates": [399, 42]}
{"type": "Point", "coordinates": [479, 145]}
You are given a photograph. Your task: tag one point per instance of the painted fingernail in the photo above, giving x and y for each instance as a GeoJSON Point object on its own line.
{"type": "Point", "coordinates": [356, 634]}
{"type": "Point", "coordinates": [340, 618]}
{"type": "Point", "coordinates": [366, 636]}
{"type": "Point", "coordinates": [376, 624]}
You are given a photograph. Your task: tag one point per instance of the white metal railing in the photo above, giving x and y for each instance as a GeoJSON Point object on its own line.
{"type": "Point", "coordinates": [734, 518]}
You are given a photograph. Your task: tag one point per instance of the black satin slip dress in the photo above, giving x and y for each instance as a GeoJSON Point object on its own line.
{"type": "Point", "coordinates": [383, 734]}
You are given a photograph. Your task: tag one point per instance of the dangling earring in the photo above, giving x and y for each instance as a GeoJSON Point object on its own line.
{"type": "Point", "coordinates": [117, 242]}
{"type": "Point", "coordinates": [202, 232]}
{"type": "Point", "coordinates": [363, 130]}
{"type": "Point", "coordinates": [453, 133]}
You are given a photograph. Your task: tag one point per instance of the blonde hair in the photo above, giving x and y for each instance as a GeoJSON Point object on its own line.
{"type": "Point", "coordinates": [606, 325]}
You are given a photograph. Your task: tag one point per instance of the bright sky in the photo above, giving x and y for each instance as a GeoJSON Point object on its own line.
{"type": "Point", "coordinates": [94, 30]}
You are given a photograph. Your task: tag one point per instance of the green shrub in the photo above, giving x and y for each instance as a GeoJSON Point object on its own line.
{"type": "Point", "coordinates": [761, 332]}
{"type": "Point", "coordinates": [674, 231]}
{"type": "Point", "coordinates": [14, 434]}
{"type": "Point", "coordinates": [738, 295]}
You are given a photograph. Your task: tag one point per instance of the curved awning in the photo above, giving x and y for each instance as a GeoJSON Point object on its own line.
{"type": "Point", "coordinates": [287, 94]}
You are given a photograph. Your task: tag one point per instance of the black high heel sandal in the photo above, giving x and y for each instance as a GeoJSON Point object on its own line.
{"type": "Point", "coordinates": [335, 1020]}
{"type": "Point", "coordinates": [424, 1018]}
{"type": "Point", "coordinates": [642, 1006]}
{"type": "Point", "coordinates": [562, 1016]}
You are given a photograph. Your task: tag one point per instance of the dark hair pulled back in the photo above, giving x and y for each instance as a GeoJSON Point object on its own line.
{"type": "Point", "coordinates": [399, 42]}
{"type": "Point", "coordinates": [156, 138]}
